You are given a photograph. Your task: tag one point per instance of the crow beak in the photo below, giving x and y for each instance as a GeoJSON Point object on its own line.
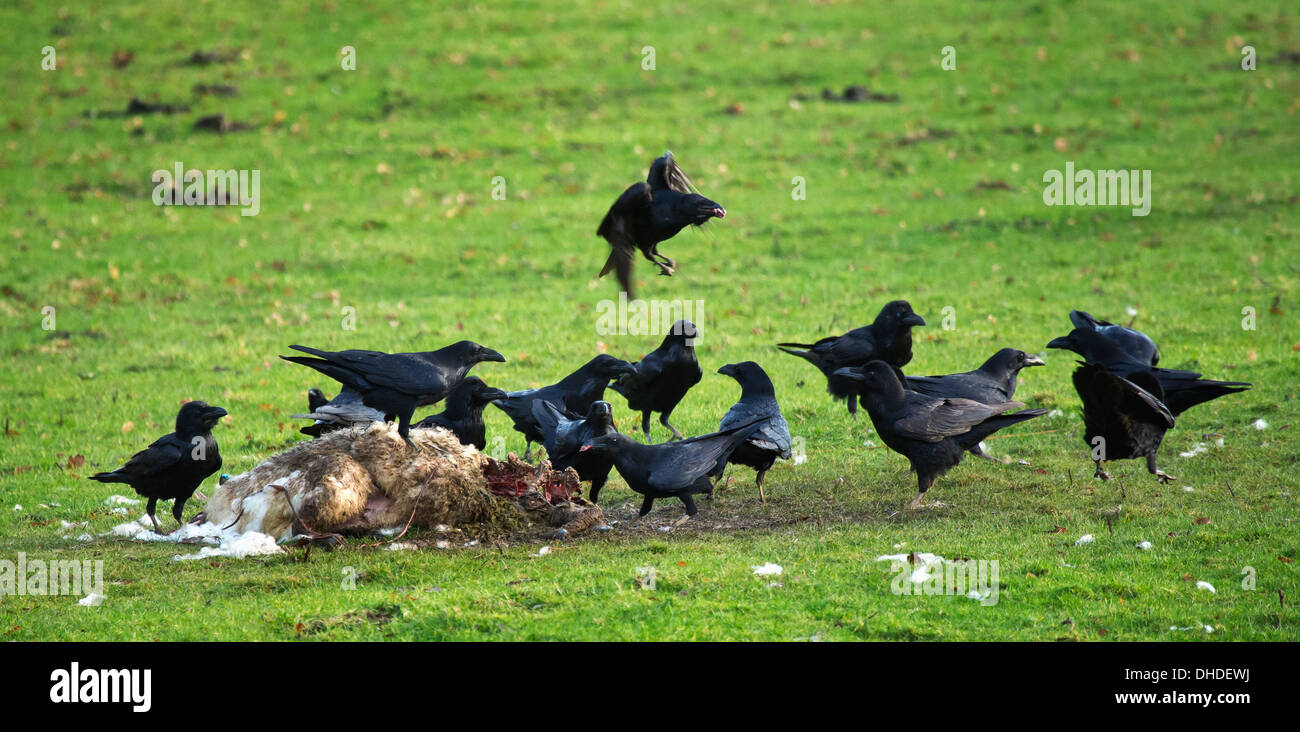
{"type": "Point", "coordinates": [719, 212]}
{"type": "Point", "coordinates": [625, 368]}
{"type": "Point", "coordinates": [487, 354]}
{"type": "Point", "coordinates": [215, 413]}
{"type": "Point", "coordinates": [584, 448]}
{"type": "Point", "coordinates": [913, 319]}
{"type": "Point", "coordinates": [1062, 342]}
{"type": "Point", "coordinates": [848, 373]}
{"type": "Point", "coordinates": [727, 370]}
{"type": "Point", "coordinates": [494, 395]}
{"type": "Point", "coordinates": [1032, 360]}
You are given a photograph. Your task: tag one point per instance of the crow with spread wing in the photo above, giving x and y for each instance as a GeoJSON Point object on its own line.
{"type": "Point", "coordinates": [343, 411]}
{"type": "Point", "coordinates": [651, 212]}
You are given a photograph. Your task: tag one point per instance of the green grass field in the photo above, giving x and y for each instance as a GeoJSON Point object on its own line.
{"type": "Point", "coordinates": [376, 195]}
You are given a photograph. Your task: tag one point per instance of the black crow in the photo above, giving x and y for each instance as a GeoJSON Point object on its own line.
{"type": "Point", "coordinates": [1126, 352]}
{"type": "Point", "coordinates": [888, 339]}
{"type": "Point", "coordinates": [673, 469]}
{"type": "Point", "coordinates": [463, 416]}
{"type": "Point", "coordinates": [574, 393]}
{"type": "Point", "coordinates": [933, 433]}
{"type": "Point", "coordinates": [650, 212]}
{"type": "Point", "coordinates": [566, 433]}
{"type": "Point", "coordinates": [757, 399]}
{"type": "Point", "coordinates": [992, 383]}
{"type": "Point", "coordinates": [344, 410]}
{"type": "Point", "coordinates": [663, 377]}
{"type": "Point", "coordinates": [175, 464]}
{"type": "Point", "coordinates": [1122, 419]}
{"type": "Point", "coordinates": [397, 383]}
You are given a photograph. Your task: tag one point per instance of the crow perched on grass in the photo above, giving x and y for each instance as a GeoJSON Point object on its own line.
{"type": "Point", "coordinates": [574, 393]}
{"type": "Point", "coordinates": [663, 377]}
{"type": "Point", "coordinates": [344, 410]}
{"type": "Point", "coordinates": [650, 212]}
{"type": "Point", "coordinates": [175, 464]}
{"type": "Point", "coordinates": [566, 433]}
{"type": "Point", "coordinates": [757, 399]}
{"type": "Point", "coordinates": [933, 433]}
{"type": "Point", "coordinates": [673, 469]}
{"type": "Point", "coordinates": [1121, 419]}
{"type": "Point", "coordinates": [1126, 352]}
{"type": "Point", "coordinates": [888, 339]}
{"type": "Point", "coordinates": [463, 416]}
{"type": "Point", "coordinates": [992, 383]}
{"type": "Point", "coordinates": [397, 383]}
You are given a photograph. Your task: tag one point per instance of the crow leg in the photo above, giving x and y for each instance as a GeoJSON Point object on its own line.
{"type": "Point", "coordinates": [691, 510]}
{"type": "Point", "coordinates": [977, 451]}
{"type": "Point", "coordinates": [759, 481]}
{"type": "Point", "coordinates": [1161, 476]}
{"type": "Point", "coordinates": [404, 429]}
{"type": "Point", "coordinates": [596, 485]}
{"type": "Point", "coordinates": [178, 507]}
{"type": "Point", "coordinates": [663, 420]}
{"type": "Point", "coordinates": [853, 406]}
{"type": "Point", "coordinates": [528, 448]}
{"type": "Point", "coordinates": [924, 481]}
{"type": "Point", "coordinates": [646, 504]}
{"type": "Point", "coordinates": [150, 508]}
{"type": "Point", "coordinates": [645, 423]}
{"type": "Point", "coordinates": [1101, 472]}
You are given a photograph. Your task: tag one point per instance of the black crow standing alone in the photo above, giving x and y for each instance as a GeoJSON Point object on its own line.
{"type": "Point", "coordinates": [673, 469]}
{"type": "Point", "coordinates": [992, 383]}
{"type": "Point", "coordinates": [397, 383]}
{"type": "Point", "coordinates": [888, 339]}
{"type": "Point", "coordinates": [175, 464]}
{"type": "Point", "coordinates": [663, 377]}
{"type": "Point", "coordinates": [575, 393]}
{"type": "Point", "coordinates": [566, 433]}
{"type": "Point", "coordinates": [344, 410]}
{"type": "Point", "coordinates": [463, 416]}
{"type": "Point", "coordinates": [1126, 352]}
{"type": "Point", "coordinates": [933, 433]}
{"type": "Point", "coordinates": [757, 399]}
{"type": "Point", "coordinates": [651, 212]}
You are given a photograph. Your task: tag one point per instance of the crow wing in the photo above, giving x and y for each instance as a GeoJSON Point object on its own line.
{"type": "Point", "coordinates": [618, 229]}
{"type": "Point", "coordinates": [932, 420]}
{"type": "Point", "coordinates": [408, 373]}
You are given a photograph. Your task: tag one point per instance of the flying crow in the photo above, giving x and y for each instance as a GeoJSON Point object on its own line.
{"type": "Point", "coordinates": [175, 464]}
{"type": "Point", "coordinates": [574, 393]}
{"type": "Point", "coordinates": [651, 212]}
{"type": "Point", "coordinates": [663, 377]}
{"type": "Point", "coordinates": [888, 339]}
{"type": "Point", "coordinates": [397, 383]}
{"type": "Point", "coordinates": [933, 433]}
{"type": "Point", "coordinates": [757, 399]}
